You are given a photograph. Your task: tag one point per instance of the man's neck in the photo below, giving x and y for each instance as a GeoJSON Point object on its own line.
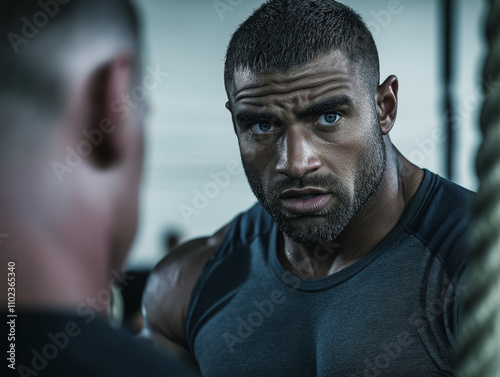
{"type": "Point", "coordinates": [48, 278]}
{"type": "Point", "coordinates": [367, 229]}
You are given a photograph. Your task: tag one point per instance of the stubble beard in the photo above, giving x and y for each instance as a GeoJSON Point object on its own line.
{"type": "Point", "coordinates": [326, 225]}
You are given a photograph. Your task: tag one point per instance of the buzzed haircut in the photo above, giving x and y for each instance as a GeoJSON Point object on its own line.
{"type": "Point", "coordinates": [42, 42]}
{"type": "Point", "coordinates": [285, 34]}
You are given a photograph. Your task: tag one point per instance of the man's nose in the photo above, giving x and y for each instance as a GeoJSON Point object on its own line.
{"type": "Point", "coordinates": [297, 153]}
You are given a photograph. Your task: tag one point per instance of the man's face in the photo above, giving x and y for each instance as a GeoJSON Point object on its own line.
{"type": "Point", "coordinates": [311, 145]}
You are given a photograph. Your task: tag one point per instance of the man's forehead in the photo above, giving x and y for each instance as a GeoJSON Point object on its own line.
{"type": "Point", "coordinates": [330, 66]}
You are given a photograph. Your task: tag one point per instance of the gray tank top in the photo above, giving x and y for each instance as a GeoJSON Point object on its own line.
{"type": "Point", "coordinates": [394, 312]}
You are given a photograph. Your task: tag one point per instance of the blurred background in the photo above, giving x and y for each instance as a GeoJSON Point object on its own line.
{"type": "Point", "coordinates": [194, 183]}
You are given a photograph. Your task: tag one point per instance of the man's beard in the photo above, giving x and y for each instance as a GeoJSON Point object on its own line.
{"type": "Point", "coordinates": [326, 225]}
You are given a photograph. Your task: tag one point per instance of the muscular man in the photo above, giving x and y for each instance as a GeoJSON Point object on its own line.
{"type": "Point", "coordinates": [350, 263]}
{"type": "Point", "coordinates": [70, 162]}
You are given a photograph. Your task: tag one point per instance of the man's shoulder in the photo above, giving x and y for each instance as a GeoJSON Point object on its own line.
{"type": "Point", "coordinates": [181, 268]}
{"type": "Point", "coordinates": [442, 202]}
{"type": "Point", "coordinates": [171, 282]}
{"type": "Point", "coordinates": [245, 227]}
{"type": "Point", "coordinates": [442, 220]}
{"type": "Point", "coordinates": [170, 286]}
{"type": "Point", "coordinates": [453, 191]}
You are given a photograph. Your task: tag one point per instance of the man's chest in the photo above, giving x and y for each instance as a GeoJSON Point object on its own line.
{"type": "Point", "coordinates": [280, 331]}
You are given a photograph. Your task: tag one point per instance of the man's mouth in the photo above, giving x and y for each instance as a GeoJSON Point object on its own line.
{"type": "Point", "coordinates": [305, 201]}
{"type": "Point", "coordinates": [308, 196]}
{"type": "Point", "coordinates": [303, 193]}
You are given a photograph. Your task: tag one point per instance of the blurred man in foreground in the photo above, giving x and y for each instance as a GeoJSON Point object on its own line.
{"type": "Point", "coordinates": [350, 264]}
{"type": "Point", "coordinates": [71, 151]}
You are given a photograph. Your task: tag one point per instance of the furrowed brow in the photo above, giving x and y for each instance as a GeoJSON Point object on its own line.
{"type": "Point", "coordinates": [252, 116]}
{"type": "Point", "coordinates": [331, 104]}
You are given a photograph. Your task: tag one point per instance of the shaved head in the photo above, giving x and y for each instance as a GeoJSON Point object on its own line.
{"type": "Point", "coordinates": [46, 48]}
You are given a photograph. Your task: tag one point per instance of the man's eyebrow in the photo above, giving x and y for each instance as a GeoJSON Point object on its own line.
{"type": "Point", "coordinates": [319, 107]}
{"type": "Point", "coordinates": [331, 103]}
{"type": "Point", "coordinates": [252, 116]}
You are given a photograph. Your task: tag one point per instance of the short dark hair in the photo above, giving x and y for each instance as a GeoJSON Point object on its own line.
{"type": "Point", "coordinates": [285, 34]}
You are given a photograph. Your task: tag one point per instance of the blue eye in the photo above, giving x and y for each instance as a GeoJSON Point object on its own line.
{"type": "Point", "coordinates": [261, 128]}
{"type": "Point", "coordinates": [328, 119]}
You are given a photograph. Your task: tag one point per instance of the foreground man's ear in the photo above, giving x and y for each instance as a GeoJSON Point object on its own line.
{"type": "Point", "coordinates": [109, 116]}
{"type": "Point", "coordinates": [387, 103]}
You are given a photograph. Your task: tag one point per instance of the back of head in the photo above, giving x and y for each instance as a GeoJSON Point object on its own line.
{"type": "Point", "coordinates": [70, 159]}
{"type": "Point", "coordinates": [284, 34]}
{"type": "Point", "coordinates": [47, 46]}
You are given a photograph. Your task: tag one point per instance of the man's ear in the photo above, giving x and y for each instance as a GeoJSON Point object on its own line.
{"type": "Point", "coordinates": [110, 110]}
{"type": "Point", "coordinates": [387, 103]}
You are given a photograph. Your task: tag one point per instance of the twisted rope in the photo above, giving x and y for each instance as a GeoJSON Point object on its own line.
{"type": "Point", "coordinates": [479, 335]}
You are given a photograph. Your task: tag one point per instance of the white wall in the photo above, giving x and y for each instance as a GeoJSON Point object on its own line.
{"type": "Point", "coordinates": [190, 133]}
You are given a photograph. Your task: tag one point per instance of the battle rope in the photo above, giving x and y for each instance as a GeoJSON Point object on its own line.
{"type": "Point", "coordinates": [479, 334]}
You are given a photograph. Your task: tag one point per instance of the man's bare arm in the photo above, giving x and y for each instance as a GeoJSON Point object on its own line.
{"type": "Point", "coordinates": [168, 292]}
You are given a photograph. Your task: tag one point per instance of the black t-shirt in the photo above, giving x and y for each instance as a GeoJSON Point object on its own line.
{"type": "Point", "coordinates": [65, 344]}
